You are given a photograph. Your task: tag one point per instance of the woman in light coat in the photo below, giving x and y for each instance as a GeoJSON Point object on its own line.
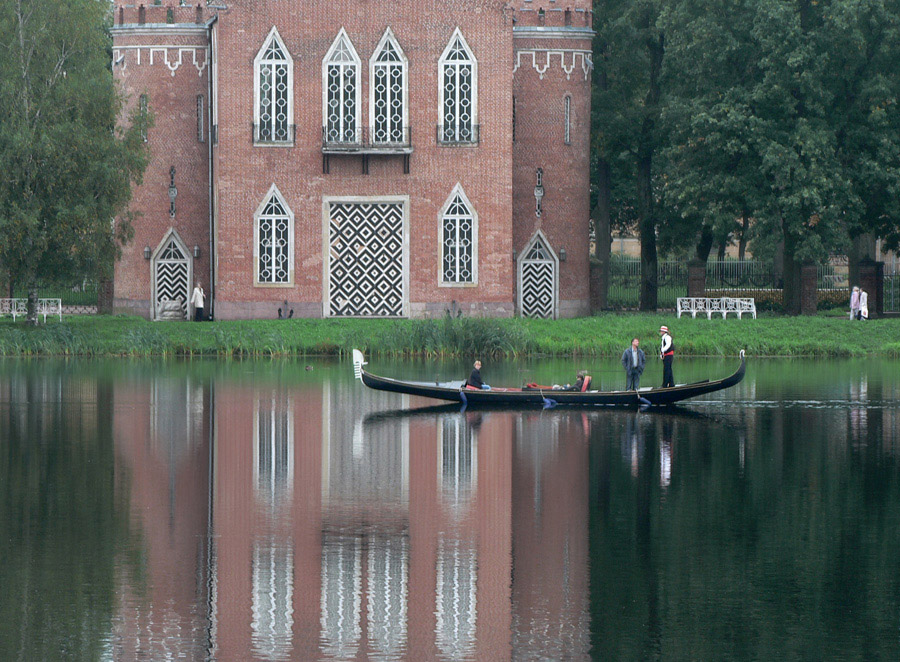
{"type": "Point", "coordinates": [863, 305]}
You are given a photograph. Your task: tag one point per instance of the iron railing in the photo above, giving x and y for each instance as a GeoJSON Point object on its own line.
{"type": "Point", "coordinates": [279, 136]}
{"type": "Point", "coordinates": [77, 298]}
{"type": "Point", "coordinates": [891, 293]}
{"type": "Point", "coordinates": [460, 134]}
{"type": "Point", "coordinates": [367, 138]}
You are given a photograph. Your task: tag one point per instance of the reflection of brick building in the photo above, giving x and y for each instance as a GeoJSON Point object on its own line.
{"type": "Point", "coordinates": [318, 532]}
{"type": "Point", "coordinates": [367, 160]}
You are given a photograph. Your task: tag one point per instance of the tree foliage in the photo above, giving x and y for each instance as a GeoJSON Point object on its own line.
{"type": "Point", "coordinates": [783, 111]}
{"type": "Point", "coordinates": [67, 164]}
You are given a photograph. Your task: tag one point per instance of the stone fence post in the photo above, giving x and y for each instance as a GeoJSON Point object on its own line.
{"type": "Point", "coordinates": [809, 294]}
{"type": "Point", "coordinates": [871, 279]}
{"type": "Point", "coordinates": [696, 278]}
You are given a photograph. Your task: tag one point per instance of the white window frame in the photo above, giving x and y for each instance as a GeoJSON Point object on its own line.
{"type": "Point", "coordinates": [258, 63]}
{"type": "Point", "coordinates": [326, 61]}
{"type": "Point", "coordinates": [443, 64]}
{"type": "Point", "coordinates": [273, 191]}
{"type": "Point", "coordinates": [388, 37]}
{"type": "Point", "coordinates": [458, 191]}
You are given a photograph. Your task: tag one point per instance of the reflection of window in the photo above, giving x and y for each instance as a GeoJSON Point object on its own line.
{"type": "Point", "coordinates": [340, 82]}
{"type": "Point", "coordinates": [273, 450]}
{"type": "Point", "coordinates": [456, 601]}
{"type": "Point", "coordinates": [273, 590]}
{"type": "Point", "coordinates": [458, 462]}
{"type": "Point", "coordinates": [341, 596]}
{"type": "Point", "coordinates": [388, 576]}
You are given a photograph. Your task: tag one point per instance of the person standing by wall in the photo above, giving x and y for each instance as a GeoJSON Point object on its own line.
{"type": "Point", "coordinates": [854, 303]}
{"type": "Point", "coordinates": [633, 360]}
{"type": "Point", "coordinates": [197, 300]}
{"type": "Point", "coordinates": [666, 353]}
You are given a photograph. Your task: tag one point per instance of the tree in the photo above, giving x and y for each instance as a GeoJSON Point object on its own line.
{"type": "Point", "coordinates": [67, 165]}
{"type": "Point", "coordinates": [627, 113]}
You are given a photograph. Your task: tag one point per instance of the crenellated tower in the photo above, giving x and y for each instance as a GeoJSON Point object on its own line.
{"type": "Point", "coordinates": [161, 57]}
{"type": "Point", "coordinates": [551, 119]}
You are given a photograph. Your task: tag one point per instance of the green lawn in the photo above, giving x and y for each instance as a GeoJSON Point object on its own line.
{"type": "Point", "coordinates": [604, 335]}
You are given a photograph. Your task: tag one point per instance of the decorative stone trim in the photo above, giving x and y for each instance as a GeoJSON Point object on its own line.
{"type": "Point", "coordinates": [568, 60]}
{"type": "Point", "coordinates": [160, 52]}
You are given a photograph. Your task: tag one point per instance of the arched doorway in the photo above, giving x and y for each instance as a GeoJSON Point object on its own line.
{"type": "Point", "coordinates": [538, 276]}
{"type": "Point", "coordinates": [171, 267]}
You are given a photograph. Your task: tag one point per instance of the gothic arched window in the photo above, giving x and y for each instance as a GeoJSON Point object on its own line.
{"type": "Point", "coordinates": [274, 241]}
{"type": "Point", "coordinates": [340, 91]}
{"type": "Point", "coordinates": [388, 94]}
{"type": "Point", "coordinates": [458, 92]}
{"type": "Point", "coordinates": [273, 85]}
{"type": "Point", "coordinates": [459, 237]}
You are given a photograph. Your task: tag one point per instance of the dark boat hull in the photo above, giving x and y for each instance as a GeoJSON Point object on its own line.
{"type": "Point", "coordinates": [655, 396]}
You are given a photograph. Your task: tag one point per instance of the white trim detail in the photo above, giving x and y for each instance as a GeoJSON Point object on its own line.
{"type": "Point", "coordinates": [273, 62]}
{"type": "Point", "coordinates": [568, 60]}
{"type": "Point", "coordinates": [261, 215]}
{"type": "Point", "coordinates": [119, 56]}
{"type": "Point", "coordinates": [456, 199]}
{"type": "Point", "coordinates": [342, 127]}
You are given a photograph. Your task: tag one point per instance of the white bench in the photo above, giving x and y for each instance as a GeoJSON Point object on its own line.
{"type": "Point", "coordinates": [710, 305]}
{"type": "Point", "coordinates": [16, 307]}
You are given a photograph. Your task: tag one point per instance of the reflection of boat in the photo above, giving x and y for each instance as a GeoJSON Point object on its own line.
{"type": "Point", "coordinates": [455, 392]}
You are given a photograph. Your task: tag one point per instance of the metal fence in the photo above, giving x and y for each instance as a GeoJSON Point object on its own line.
{"type": "Point", "coordinates": [891, 293]}
{"type": "Point", "coordinates": [77, 298]}
{"type": "Point", "coordinates": [625, 283]}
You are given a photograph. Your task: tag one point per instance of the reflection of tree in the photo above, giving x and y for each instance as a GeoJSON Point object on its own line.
{"type": "Point", "coordinates": [793, 554]}
{"type": "Point", "coordinates": [63, 518]}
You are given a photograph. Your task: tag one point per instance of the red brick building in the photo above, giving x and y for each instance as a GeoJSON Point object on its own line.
{"type": "Point", "coordinates": [359, 158]}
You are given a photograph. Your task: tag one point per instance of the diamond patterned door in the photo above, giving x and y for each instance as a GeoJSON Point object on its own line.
{"type": "Point", "coordinates": [171, 277]}
{"type": "Point", "coordinates": [365, 252]}
{"type": "Point", "coordinates": [538, 281]}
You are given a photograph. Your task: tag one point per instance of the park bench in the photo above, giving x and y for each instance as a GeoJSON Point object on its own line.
{"type": "Point", "coordinates": [16, 307]}
{"type": "Point", "coordinates": [717, 305]}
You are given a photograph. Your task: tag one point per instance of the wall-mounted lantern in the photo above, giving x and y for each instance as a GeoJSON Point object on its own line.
{"type": "Point", "coordinates": [539, 192]}
{"type": "Point", "coordinates": [562, 254]}
{"type": "Point", "coordinates": [172, 191]}
{"type": "Point", "coordinates": [196, 251]}
{"type": "Point", "coordinates": [146, 252]}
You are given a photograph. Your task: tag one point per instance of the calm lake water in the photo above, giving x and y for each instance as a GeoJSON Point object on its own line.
{"type": "Point", "coordinates": [281, 511]}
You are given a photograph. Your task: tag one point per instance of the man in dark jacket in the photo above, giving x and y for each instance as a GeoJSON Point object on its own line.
{"type": "Point", "coordinates": [633, 361]}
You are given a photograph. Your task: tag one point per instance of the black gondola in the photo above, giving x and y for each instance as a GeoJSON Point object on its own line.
{"type": "Point", "coordinates": [456, 392]}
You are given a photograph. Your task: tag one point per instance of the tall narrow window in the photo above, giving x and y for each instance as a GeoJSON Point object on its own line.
{"type": "Point", "coordinates": [340, 91]}
{"type": "Point", "coordinates": [143, 117]}
{"type": "Point", "coordinates": [459, 230]}
{"type": "Point", "coordinates": [201, 120]}
{"type": "Point", "coordinates": [458, 93]}
{"type": "Point", "coordinates": [388, 102]}
{"type": "Point", "coordinates": [567, 112]}
{"type": "Point", "coordinates": [273, 90]}
{"type": "Point", "coordinates": [514, 120]}
{"type": "Point", "coordinates": [274, 245]}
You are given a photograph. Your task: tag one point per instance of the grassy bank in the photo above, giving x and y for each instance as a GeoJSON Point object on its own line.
{"type": "Point", "coordinates": [605, 335]}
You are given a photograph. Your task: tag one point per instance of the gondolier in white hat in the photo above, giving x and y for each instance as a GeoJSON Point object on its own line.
{"type": "Point", "coordinates": [666, 353]}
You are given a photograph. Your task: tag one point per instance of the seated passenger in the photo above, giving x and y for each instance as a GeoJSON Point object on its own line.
{"type": "Point", "coordinates": [475, 378]}
{"type": "Point", "coordinates": [580, 379]}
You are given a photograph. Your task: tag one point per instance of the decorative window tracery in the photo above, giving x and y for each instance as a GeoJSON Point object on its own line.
{"type": "Point", "coordinates": [458, 92]}
{"type": "Point", "coordinates": [273, 86]}
{"type": "Point", "coordinates": [388, 104]}
{"type": "Point", "coordinates": [274, 241]}
{"type": "Point", "coordinates": [340, 85]}
{"type": "Point", "coordinates": [459, 232]}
